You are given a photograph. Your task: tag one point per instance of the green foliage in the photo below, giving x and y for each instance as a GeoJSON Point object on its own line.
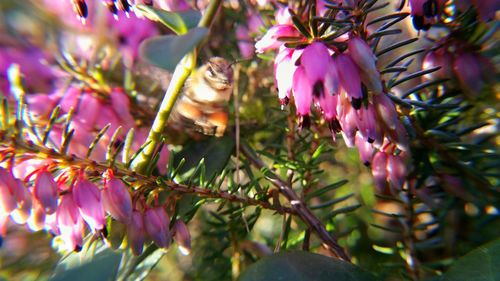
{"type": "Point", "coordinates": [481, 264]}
{"type": "Point", "coordinates": [180, 22]}
{"type": "Point", "coordinates": [304, 266]}
{"type": "Point", "coordinates": [167, 51]}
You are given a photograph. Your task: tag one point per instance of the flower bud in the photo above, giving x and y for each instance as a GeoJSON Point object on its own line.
{"type": "Point", "coordinates": [270, 39]}
{"type": "Point", "coordinates": [182, 237]}
{"type": "Point", "coordinates": [87, 197]}
{"type": "Point", "coordinates": [45, 191]}
{"type": "Point", "coordinates": [116, 200]}
{"type": "Point", "coordinates": [156, 223]}
{"type": "Point", "coordinates": [136, 233]}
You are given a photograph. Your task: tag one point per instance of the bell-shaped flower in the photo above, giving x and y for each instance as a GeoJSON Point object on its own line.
{"type": "Point", "coordinates": [70, 223]}
{"type": "Point", "coordinates": [156, 223]}
{"type": "Point", "coordinates": [36, 221]}
{"type": "Point", "coordinates": [88, 110]}
{"type": "Point", "coordinates": [365, 149]}
{"type": "Point", "coordinates": [396, 170]}
{"type": "Point", "coordinates": [45, 191]}
{"type": "Point", "coordinates": [270, 40]}
{"type": "Point", "coordinates": [284, 68]}
{"type": "Point", "coordinates": [136, 234]}
{"type": "Point", "coordinates": [24, 203]}
{"type": "Point", "coordinates": [386, 111]}
{"type": "Point", "coordinates": [87, 197]}
{"type": "Point", "coordinates": [364, 58]}
{"type": "Point", "coordinates": [367, 124]}
{"type": "Point", "coordinates": [8, 194]}
{"type": "Point", "coordinates": [182, 237]}
{"type": "Point", "coordinates": [349, 77]}
{"type": "Point", "coordinates": [438, 58]}
{"type": "Point", "coordinates": [121, 105]}
{"type": "Point", "coordinates": [468, 70]}
{"type": "Point", "coordinates": [379, 170]}
{"type": "Point", "coordinates": [320, 69]}
{"type": "Point", "coordinates": [116, 200]}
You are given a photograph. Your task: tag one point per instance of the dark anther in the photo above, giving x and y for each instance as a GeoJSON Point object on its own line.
{"type": "Point", "coordinates": [284, 101]}
{"type": "Point", "coordinates": [81, 8]}
{"type": "Point", "coordinates": [318, 89]}
{"type": "Point", "coordinates": [367, 164]}
{"type": "Point", "coordinates": [297, 62]}
{"type": "Point", "coordinates": [304, 122]}
{"type": "Point", "coordinates": [334, 126]}
{"type": "Point", "coordinates": [122, 40]}
{"type": "Point", "coordinates": [124, 5]}
{"type": "Point", "coordinates": [364, 91]}
{"type": "Point", "coordinates": [78, 248]}
{"type": "Point", "coordinates": [370, 140]}
{"type": "Point", "coordinates": [112, 7]}
{"type": "Point", "coordinates": [356, 103]}
{"type": "Point", "coordinates": [418, 23]}
{"type": "Point", "coordinates": [430, 8]}
{"type": "Point", "coordinates": [104, 232]}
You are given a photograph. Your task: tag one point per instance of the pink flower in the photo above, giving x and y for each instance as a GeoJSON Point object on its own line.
{"type": "Point", "coordinates": [468, 70]}
{"type": "Point", "coordinates": [270, 40]}
{"type": "Point", "coordinates": [487, 8]}
{"type": "Point", "coordinates": [386, 111]}
{"type": "Point", "coordinates": [349, 78]}
{"type": "Point", "coordinates": [379, 171]}
{"type": "Point", "coordinates": [365, 149]}
{"type": "Point", "coordinates": [70, 223]}
{"type": "Point", "coordinates": [45, 191]}
{"type": "Point", "coordinates": [364, 58]}
{"type": "Point", "coordinates": [245, 43]}
{"type": "Point", "coordinates": [87, 197]}
{"type": "Point", "coordinates": [439, 58]}
{"type": "Point", "coordinates": [116, 200]}
{"type": "Point", "coordinates": [136, 234]}
{"type": "Point", "coordinates": [182, 237]}
{"type": "Point", "coordinates": [284, 68]}
{"type": "Point", "coordinates": [8, 188]}
{"type": "Point", "coordinates": [156, 223]}
{"type": "Point", "coordinates": [24, 203]}
{"type": "Point", "coordinates": [36, 221]}
{"type": "Point", "coordinates": [396, 170]}
{"type": "Point", "coordinates": [173, 5]}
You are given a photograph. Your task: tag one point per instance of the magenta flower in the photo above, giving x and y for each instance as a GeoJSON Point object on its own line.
{"type": "Point", "coordinates": [24, 204]}
{"type": "Point", "coordinates": [396, 170]}
{"type": "Point", "coordinates": [467, 68]}
{"type": "Point", "coordinates": [36, 221]}
{"type": "Point", "coordinates": [245, 44]}
{"type": "Point", "coordinates": [487, 8]}
{"type": "Point", "coordinates": [349, 78]}
{"type": "Point", "coordinates": [365, 149]}
{"type": "Point", "coordinates": [379, 171]}
{"type": "Point", "coordinates": [8, 188]}
{"type": "Point", "coordinates": [156, 223]}
{"type": "Point", "coordinates": [438, 58]}
{"type": "Point", "coordinates": [116, 200]}
{"type": "Point", "coordinates": [87, 197]}
{"type": "Point", "coordinates": [270, 40]}
{"type": "Point", "coordinates": [70, 223]}
{"type": "Point", "coordinates": [136, 234]}
{"type": "Point", "coordinates": [45, 191]}
{"type": "Point", "coordinates": [182, 237]}
{"type": "Point", "coordinates": [283, 69]}
{"type": "Point", "coordinates": [364, 58]}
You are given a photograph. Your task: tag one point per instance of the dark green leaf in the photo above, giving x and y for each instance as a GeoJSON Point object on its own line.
{"type": "Point", "coordinates": [102, 267]}
{"type": "Point", "coordinates": [179, 22]}
{"type": "Point", "coordinates": [168, 50]}
{"type": "Point", "coordinates": [303, 266]}
{"type": "Point", "coordinates": [481, 264]}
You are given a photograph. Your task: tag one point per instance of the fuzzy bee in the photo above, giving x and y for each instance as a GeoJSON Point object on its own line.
{"type": "Point", "coordinates": [202, 106]}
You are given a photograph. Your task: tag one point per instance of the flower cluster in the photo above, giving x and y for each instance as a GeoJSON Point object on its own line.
{"type": "Point", "coordinates": [459, 62]}
{"type": "Point", "coordinates": [43, 202]}
{"type": "Point", "coordinates": [345, 85]}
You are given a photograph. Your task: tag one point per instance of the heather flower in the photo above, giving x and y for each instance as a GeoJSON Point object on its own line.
{"type": "Point", "coordinates": [379, 171]}
{"type": "Point", "coordinates": [156, 224]}
{"type": "Point", "coordinates": [70, 223]}
{"type": "Point", "coordinates": [36, 221]}
{"type": "Point", "coordinates": [364, 58]}
{"type": "Point", "coordinates": [424, 12]}
{"type": "Point", "coordinates": [116, 200]}
{"type": "Point", "coordinates": [24, 203]}
{"type": "Point", "coordinates": [87, 197]}
{"type": "Point", "coordinates": [136, 234]}
{"type": "Point", "coordinates": [349, 78]}
{"type": "Point", "coordinates": [467, 68]}
{"type": "Point", "coordinates": [438, 58]}
{"type": "Point", "coordinates": [182, 237]}
{"type": "Point", "coordinates": [45, 191]}
{"type": "Point", "coordinates": [396, 170]}
{"type": "Point", "coordinates": [8, 196]}
{"type": "Point", "coordinates": [270, 40]}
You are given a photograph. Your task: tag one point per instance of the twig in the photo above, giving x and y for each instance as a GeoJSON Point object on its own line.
{"type": "Point", "coordinates": [299, 207]}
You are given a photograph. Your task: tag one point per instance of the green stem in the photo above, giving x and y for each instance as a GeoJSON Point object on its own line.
{"type": "Point", "coordinates": [181, 73]}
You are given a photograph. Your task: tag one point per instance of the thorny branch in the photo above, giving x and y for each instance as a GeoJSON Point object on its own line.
{"type": "Point", "coordinates": [152, 182]}
{"type": "Point", "coordinates": [299, 207]}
